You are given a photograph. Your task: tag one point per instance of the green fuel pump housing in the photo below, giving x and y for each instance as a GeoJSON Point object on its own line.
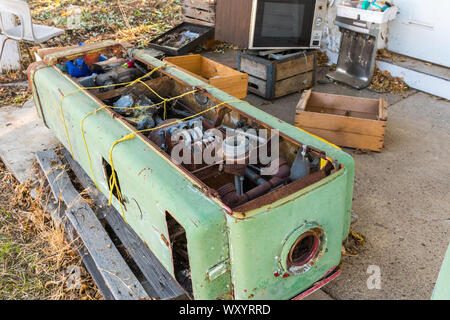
{"type": "Point", "coordinates": [277, 247]}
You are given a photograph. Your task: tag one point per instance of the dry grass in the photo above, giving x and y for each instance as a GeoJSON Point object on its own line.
{"type": "Point", "coordinates": [354, 244]}
{"type": "Point", "coordinates": [35, 257]}
{"type": "Point", "coordinates": [135, 21]}
{"type": "Point", "coordinates": [384, 82]}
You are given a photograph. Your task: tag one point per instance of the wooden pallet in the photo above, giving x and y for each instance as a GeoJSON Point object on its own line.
{"type": "Point", "coordinates": [116, 279]}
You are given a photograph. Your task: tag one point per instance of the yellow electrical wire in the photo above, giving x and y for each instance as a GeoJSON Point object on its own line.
{"type": "Point", "coordinates": [127, 108]}
{"type": "Point", "coordinates": [113, 182]}
{"type": "Point", "coordinates": [154, 92]}
{"type": "Point", "coordinates": [321, 139]}
{"type": "Point", "coordinates": [127, 84]}
{"type": "Point", "coordinates": [132, 135]}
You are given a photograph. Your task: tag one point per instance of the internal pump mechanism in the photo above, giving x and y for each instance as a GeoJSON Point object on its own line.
{"type": "Point", "coordinates": [238, 180]}
{"type": "Point", "coordinates": [228, 153]}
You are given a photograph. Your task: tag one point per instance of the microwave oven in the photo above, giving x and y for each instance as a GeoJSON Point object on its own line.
{"type": "Point", "coordinates": [271, 24]}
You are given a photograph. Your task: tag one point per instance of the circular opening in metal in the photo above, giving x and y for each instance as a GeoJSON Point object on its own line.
{"type": "Point", "coordinates": [304, 249]}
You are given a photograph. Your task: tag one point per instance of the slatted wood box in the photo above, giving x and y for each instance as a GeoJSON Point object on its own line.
{"type": "Point", "coordinates": [200, 12]}
{"type": "Point", "coordinates": [343, 120]}
{"type": "Point", "coordinates": [270, 78]}
{"type": "Point", "coordinates": [225, 78]}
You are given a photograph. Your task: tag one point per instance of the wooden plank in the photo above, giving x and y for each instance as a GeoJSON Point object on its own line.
{"type": "Point", "coordinates": [204, 4]}
{"type": "Point", "coordinates": [200, 22]}
{"type": "Point", "coordinates": [347, 103]}
{"type": "Point", "coordinates": [294, 84]}
{"type": "Point", "coordinates": [253, 68]}
{"type": "Point", "coordinates": [301, 105]}
{"type": "Point", "coordinates": [57, 212]}
{"type": "Point", "coordinates": [87, 49]}
{"type": "Point", "coordinates": [382, 111]}
{"type": "Point", "coordinates": [161, 284]}
{"type": "Point", "coordinates": [257, 86]}
{"type": "Point", "coordinates": [294, 67]}
{"type": "Point", "coordinates": [199, 14]}
{"type": "Point", "coordinates": [341, 123]}
{"type": "Point", "coordinates": [117, 275]}
{"type": "Point", "coordinates": [339, 112]}
{"type": "Point", "coordinates": [45, 51]}
{"type": "Point", "coordinates": [347, 139]}
{"type": "Point", "coordinates": [236, 86]}
{"type": "Point", "coordinates": [190, 63]}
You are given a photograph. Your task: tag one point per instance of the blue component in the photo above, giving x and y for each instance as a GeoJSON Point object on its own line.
{"type": "Point", "coordinates": [379, 7]}
{"type": "Point", "coordinates": [77, 68]}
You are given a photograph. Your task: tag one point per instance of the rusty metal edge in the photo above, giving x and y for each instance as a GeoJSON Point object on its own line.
{"type": "Point", "coordinates": [31, 71]}
{"type": "Point", "coordinates": [87, 49]}
{"type": "Point", "coordinates": [332, 274]}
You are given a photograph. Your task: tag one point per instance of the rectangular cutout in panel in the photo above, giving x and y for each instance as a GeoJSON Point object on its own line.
{"type": "Point", "coordinates": [180, 256]}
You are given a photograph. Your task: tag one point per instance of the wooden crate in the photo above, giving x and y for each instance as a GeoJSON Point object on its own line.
{"type": "Point", "coordinates": [225, 78]}
{"type": "Point", "coordinates": [200, 12]}
{"type": "Point", "coordinates": [343, 120]}
{"type": "Point", "coordinates": [270, 78]}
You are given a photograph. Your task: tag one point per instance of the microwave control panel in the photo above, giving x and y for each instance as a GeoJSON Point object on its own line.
{"type": "Point", "coordinates": [320, 16]}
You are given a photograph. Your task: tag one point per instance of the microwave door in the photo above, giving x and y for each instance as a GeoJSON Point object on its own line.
{"type": "Point", "coordinates": [282, 24]}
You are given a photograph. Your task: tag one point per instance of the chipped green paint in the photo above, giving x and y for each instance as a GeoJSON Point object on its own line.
{"type": "Point", "coordinates": [230, 257]}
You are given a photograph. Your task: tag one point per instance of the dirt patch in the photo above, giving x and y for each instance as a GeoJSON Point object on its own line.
{"type": "Point", "coordinates": [14, 96]}
{"type": "Point", "coordinates": [36, 261]}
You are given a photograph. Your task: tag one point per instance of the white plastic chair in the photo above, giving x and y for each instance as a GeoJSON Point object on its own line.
{"type": "Point", "coordinates": [26, 31]}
